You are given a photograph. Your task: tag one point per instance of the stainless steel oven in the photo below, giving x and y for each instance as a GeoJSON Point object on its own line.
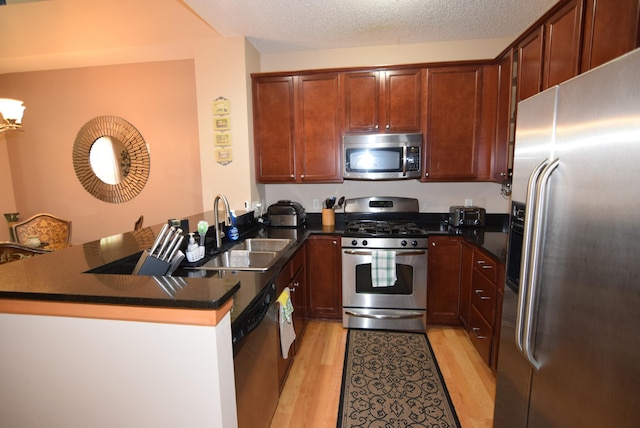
{"type": "Point", "coordinates": [386, 229]}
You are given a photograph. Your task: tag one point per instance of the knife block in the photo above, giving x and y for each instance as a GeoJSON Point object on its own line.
{"type": "Point", "coordinates": [150, 265]}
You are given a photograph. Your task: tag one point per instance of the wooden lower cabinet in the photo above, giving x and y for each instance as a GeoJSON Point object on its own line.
{"type": "Point", "coordinates": [294, 277]}
{"type": "Point", "coordinates": [485, 314]}
{"type": "Point", "coordinates": [443, 280]}
{"type": "Point", "coordinates": [325, 276]}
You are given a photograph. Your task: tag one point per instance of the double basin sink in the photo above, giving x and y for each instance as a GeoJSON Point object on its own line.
{"type": "Point", "coordinates": [253, 254]}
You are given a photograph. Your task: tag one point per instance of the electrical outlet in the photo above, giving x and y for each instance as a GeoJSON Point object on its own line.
{"type": "Point", "coordinates": [468, 202]}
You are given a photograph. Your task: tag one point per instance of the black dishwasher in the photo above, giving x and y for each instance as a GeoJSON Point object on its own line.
{"type": "Point", "coordinates": [255, 353]}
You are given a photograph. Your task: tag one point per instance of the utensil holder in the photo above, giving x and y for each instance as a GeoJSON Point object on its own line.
{"type": "Point", "coordinates": [328, 217]}
{"type": "Point", "coordinates": [150, 265]}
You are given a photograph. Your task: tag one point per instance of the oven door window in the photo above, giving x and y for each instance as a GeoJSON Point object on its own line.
{"type": "Point", "coordinates": [403, 285]}
{"type": "Point", "coordinates": [374, 160]}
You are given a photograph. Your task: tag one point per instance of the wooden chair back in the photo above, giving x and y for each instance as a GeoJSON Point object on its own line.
{"type": "Point", "coordinates": [54, 233]}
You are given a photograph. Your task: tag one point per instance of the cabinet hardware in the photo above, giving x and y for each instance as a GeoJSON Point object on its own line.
{"type": "Point", "coordinates": [479, 293]}
{"type": "Point", "coordinates": [476, 330]}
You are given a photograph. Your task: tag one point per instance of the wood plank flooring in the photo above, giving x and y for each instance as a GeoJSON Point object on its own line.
{"type": "Point", "coordinates": [311, 394]}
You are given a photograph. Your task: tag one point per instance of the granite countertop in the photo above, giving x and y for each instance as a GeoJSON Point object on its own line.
{"type": "Point", "coordinates": [60, 276]}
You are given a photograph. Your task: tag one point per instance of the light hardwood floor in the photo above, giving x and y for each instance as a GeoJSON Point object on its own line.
{"type": "Point", "coordinates": [311, 394]}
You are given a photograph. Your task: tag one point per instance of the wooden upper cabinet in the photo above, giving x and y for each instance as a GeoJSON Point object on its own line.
{"type": "Point", "coordinates": [530, 64]}
{"type": "Point", "coordinates": [562, 44]}
{"type": "Point", "coordinates": [454, 101]}
{"type": "Point", "coordinates": [550, 54]}
{"type": "Point", "coordinates": [382, 101]}
{"type": "Point", "coordinates": [273, 122]}
{"type": "Point", "coordinates": [297, 128]}
{"type": "Point", "coordinates": [611, 29]}
{"type": "Point", "coordinates": [504, 118]}
{"type": "Point", "coordinates": [318, 120]}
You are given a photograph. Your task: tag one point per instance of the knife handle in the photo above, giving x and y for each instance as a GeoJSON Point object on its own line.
{"type": "Point", "coordinates": [159, 238]}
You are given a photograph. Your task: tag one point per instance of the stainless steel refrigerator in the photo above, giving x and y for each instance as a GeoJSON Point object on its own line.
{"type": "Point", "coordinates": [569, 352]}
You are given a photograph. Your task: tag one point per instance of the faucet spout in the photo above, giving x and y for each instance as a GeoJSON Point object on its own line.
{"type": "Point", "coordinates": [216, 217]}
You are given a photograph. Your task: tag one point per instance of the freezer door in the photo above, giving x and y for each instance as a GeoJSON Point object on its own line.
{"type": "Point", "coordinates": [534, 138]}
{"type": "Point", "coordinates": [586, 340]}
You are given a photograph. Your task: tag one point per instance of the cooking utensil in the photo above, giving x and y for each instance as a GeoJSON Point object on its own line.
{"type": "Point", "coordinates": [330, 202]}
{"type": "Point", "coordinates": [173, 251]}
{"type": "Point", "coordinates": [165, 241]}
{"type": "Point", "coordinates": [340, 202]}
{"type": "Point", "coordinates": [172, 245]}
{"type": "Point", "coordinates": [159, 238]}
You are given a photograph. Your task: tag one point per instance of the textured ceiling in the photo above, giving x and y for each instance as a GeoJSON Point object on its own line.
{"type": "Point", "coordinates": [293, 25]}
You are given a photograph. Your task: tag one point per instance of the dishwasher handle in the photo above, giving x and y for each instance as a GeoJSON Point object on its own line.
{"type": "Point", "coordinates": [253, 315]}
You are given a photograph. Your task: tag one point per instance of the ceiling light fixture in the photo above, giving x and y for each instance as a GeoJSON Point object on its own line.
{"type": "Point", "coordinates": [12, 111]}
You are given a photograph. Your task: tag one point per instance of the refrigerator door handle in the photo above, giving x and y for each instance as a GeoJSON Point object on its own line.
{"type": "Point", "coordinates": [530, 204]}
{"type": "Point", "coordinates": [536, 250]}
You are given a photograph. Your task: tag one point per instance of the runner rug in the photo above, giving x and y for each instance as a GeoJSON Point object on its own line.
{"type": "Point", "coordinates": [392, 379]}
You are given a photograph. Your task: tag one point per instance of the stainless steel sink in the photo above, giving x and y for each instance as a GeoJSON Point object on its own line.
{"type": "Point", "coordinates": [256, 254]}
{"type": "Point", "coordinates": [262, 244]}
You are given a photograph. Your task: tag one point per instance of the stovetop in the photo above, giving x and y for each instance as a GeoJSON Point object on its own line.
{"type": "Point", "coordinates": [383, 228]}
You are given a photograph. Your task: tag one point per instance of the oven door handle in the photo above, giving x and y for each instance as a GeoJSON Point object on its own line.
{"type": "Point", "coordinates": [398, 253]}
{"type": "Point", "coordinates": [404, 315]}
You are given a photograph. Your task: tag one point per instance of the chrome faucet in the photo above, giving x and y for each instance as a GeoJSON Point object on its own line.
{"type": "Point", "coordinates": [216, 218]}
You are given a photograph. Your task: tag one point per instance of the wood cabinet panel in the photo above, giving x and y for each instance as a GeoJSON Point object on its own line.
{"type": "Point", "coordinates": [562, 44]}
{"type": "Point", "coordinates": [483, 297]}
{"type": "Point", "coordinates": [382, 101]}
{"type": "Point", "coordinates": [481, 335]}
{"type": "Point", "coordinates": [273, 121]}
{"type": "Point", "coordinates": [611, 29]}
{"type": "Point", "coordinates": [443, 280]}
{"type": "Point", "coordinates": [325, 276]}
{"type": "Point", "coordinates": [466, 271]}
{"type": "Point", "coordinates": [453, 123]}
{"type": "Point", "coordinates": [362, 101]}
{"type": "Point", "coordinates": [504, 109]}
{"type": "Point", "coordinates": [402, 104]}
{"type": "Point", "coordinates": [318, 120]}
{"type": "Point", "coordinates": [530, 52]}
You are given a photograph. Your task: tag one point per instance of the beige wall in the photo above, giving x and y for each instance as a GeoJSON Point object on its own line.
{"type": "Point", "coordinates": [158, 98]}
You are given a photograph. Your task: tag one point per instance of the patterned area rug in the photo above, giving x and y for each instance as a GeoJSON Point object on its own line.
{"type": "Point", "coordinates": [391, 379]}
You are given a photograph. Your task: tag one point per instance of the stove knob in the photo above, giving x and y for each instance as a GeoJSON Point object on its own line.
{"type": "Point", "coordinates": [364, 242]}
{"type": "Point", "coordinates": [403, 243]}
{"type": "Point", "coordinates": [414, 243]}
{"type": "Point", "coordinates": [354, 242]}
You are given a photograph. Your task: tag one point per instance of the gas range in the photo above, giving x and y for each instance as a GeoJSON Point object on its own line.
{"type": "Point", "coordinates": [382, 222]}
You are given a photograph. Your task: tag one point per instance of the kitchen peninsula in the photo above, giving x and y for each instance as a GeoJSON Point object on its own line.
{"type": "Point", "coordinates": [83, 349]}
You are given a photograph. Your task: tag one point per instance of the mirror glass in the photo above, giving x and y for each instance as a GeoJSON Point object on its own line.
{"type": "Point", "coordinates": [111, 159]}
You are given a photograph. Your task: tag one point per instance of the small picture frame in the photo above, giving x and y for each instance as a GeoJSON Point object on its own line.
{"type": "Point", "coordinates": [221, 123]}
{"type": "Point", "coordinates": [221, 107]}
{"type": "Point", "coordinates": [222, 138]}
{"type": "Point", "coordinates": [224, 156]}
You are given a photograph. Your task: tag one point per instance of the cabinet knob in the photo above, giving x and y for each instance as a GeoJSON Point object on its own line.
{"type": "Point", "coordinates": [433, 244]}
{"type": "Point", "coordinates": [426, 174]}
{"type": "Point", "coordinates": [334, 242]}
{"type": "Point", "coordinates": [387, 126]}
{"type": "Point", "coordinates": [502, 174]}
{"type": "Point", "coordinates": [377, 127]}
{"type": "Point", "coordinates": [302, 177]}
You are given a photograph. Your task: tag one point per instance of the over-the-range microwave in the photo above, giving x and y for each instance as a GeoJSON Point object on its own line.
{"type": "Point", "coordinates": [382, 156]}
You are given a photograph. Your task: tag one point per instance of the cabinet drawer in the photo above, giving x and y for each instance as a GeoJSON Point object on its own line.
{"type": "Point", "coordinates": [481, 335]}
{"type": "Point", "coordinates": [483, 296]}
{"type": "Point", "coordinates": [486, 265]}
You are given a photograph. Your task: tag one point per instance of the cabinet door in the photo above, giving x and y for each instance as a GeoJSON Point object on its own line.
{"type": "Point", "coordinates": [562, 44]}
{"type": "Point", "coordinates": [299, 300]}
{"type": "Point", "coordinates": [318, 124]}
{"type": "Point", "coordinates": [443, 280]}
{"type": "Point", "coordinates": [611, 29]}
{"type": "Point", "coordinates": [362, 101]}
{"type": "Point", "coordinates": [402, 101]}
{"type": "Point", "coordinates": [466, 270]}
{"type": "Point", "coordinates": [284, 364]}
{"type": "Point", "coordinates": [453, 123]}
{"type": "Point", "coordinates": [273, 121]}
{"type": "Point", "coordinates": [504, 118]}
{"type": "Point", "coordinates": [325, 276]}
{"type": "Point", "coordinates": [530, 64]}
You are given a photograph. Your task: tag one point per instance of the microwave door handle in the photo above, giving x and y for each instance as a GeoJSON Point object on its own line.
{"type": "Point", "coordinates": [404, 161]}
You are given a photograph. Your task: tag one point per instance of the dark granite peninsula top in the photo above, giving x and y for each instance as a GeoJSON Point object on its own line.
{"type": "Point", "coordinates": [60, 276]}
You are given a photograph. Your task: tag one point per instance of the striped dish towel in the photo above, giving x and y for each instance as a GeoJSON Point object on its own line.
{"type": "Point", "coordinates": [383, 268]}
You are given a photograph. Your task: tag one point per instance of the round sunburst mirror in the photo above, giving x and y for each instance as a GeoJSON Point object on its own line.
{"type": "Point", "coordinates": [111, 159]}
